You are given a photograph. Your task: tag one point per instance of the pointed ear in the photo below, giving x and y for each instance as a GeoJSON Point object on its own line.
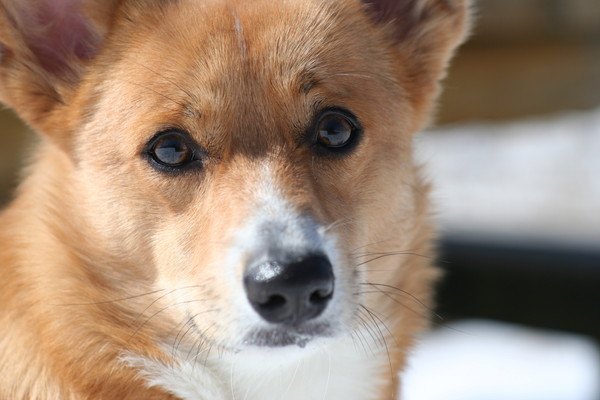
{"type": "Point", "coordinates": [426, 33]}
{"type": "Point", "coordinates": [44, 47]}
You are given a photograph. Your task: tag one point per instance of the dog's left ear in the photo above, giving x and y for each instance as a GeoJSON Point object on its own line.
{"type": "Point", "coordinates": [425, 33]}
{"type": "Point", "coordinates": [44, 47]}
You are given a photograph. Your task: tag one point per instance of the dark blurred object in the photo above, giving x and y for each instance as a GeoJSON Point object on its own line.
{"type": "Point", "coordinates": [14, 140]}
{"type": "Point", "coordinates": [548, 286]}
{"type": "Point", "coordinates": [522, 21]}
{"type": "Point", "coordinates": [526, 57]}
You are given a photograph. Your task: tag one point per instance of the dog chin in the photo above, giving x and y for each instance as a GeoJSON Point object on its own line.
{"type": "Point", "coordinates": [280, 337]}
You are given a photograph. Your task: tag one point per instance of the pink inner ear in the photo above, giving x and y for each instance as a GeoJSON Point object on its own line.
{"type": "Point", "coordinates": [58, 34]}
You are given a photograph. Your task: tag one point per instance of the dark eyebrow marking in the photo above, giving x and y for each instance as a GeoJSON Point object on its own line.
{"type": "Point", "coordinates": [190, 112]}
{"type": "Point", "coordinates": [308, 80]}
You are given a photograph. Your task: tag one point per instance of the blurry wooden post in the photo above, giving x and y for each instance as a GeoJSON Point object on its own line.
{"type": "Point", "coordinates": [526, 57]}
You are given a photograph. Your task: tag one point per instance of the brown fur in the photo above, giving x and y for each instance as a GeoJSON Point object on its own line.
{"type": "Point", "coordinates": [92, 223]}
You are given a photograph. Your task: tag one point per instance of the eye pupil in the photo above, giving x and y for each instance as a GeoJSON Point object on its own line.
{"type": "Point", "coordinates": [171, 149]}
{"type": "Point", "coordinates": [335, 130]}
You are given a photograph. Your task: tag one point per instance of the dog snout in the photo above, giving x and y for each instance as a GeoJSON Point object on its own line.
{"type": "Point", "coordinates": [290, 292]}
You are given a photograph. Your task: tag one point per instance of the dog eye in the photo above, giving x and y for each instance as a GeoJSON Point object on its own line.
{"type": "Point", "coordinates": [336, 129]}
{"type": "Point", "coordinates": [172, 150]}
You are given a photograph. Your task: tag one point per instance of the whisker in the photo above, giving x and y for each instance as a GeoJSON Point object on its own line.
{"type": "Point", "coordinates": [387, 350]}
{"type": "Point", "coordinates": [190, 321]}
{"type": "Point", "coordinates": [112, 301]}
{"type": "Point", "coordinates": [368, 330]}
{"type": "Point", "coordinates": [212, 344]}
{"type": "Point", "coordinates": [374, 270]}
{"type": "Point", "coordinates": [389, 296]}
{"type": "Point", "coordinates": [378, 256]}
{"type": "Point", "coordinates": [376, 336]}
{"type": "Point", "coordinates": [378, 332]}
{"type": "Point", "coordinates": [371, 244]}
{"type": "Point", "coordinates": [380, 318]}
{"type": "Point", "coordinates": [158, 312]}
{"type": "Point", "coordinates": [205, 340]}
{"type": "Point", "coordinates": [355, 334]}
{"type": "Point", "coordinates": [176, 343]}
{"type": "Point", "coordinates": [397, 290]}
{"type": "Point", "coordinates": [162, 297]}
{"type": "Point", "coordinates": [400, 292]}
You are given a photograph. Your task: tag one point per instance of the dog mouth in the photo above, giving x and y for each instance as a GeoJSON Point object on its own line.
{"type": "Point", "coordinates": [276, 336]}
{"type": "Point", "coordinates": [287, 336]}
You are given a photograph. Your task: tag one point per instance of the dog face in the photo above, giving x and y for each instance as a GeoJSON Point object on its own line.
{"type": "Point", "coordinates": [235, 156]}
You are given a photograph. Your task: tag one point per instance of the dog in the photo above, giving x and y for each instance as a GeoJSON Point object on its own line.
{"type": "Point", "coordinates": [223, 203]}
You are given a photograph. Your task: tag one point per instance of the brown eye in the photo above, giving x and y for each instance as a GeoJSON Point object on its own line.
{"type": "Point", "coordinates": [171, 150]}
{"type": "Point", "coordinates": [336, 129]}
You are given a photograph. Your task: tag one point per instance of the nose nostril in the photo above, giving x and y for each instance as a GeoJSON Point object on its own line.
{"type": "Point", "coordinates": [321, 296]}
{"type": "Point", "coordinates": [273, 303]}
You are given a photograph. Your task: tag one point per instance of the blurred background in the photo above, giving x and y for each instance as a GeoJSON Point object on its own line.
{"type": "Point", "coordinates": [515, 160]}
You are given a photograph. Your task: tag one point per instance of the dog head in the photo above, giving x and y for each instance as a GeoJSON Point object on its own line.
{"type": "Point", "coordinates": [236, 156]}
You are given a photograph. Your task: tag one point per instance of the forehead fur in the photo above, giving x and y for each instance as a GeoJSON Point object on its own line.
{"type": "Point", "coordinates": [198, 63]}
{"type": "Point", "coordinates": [290, 27]}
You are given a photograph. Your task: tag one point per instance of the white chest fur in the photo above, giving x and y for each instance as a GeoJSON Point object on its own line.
{"type": "Point", "coordinates": [336, 370]}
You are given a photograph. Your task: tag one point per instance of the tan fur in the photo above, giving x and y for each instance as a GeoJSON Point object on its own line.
{"type": "Point", "coordinates": [97, 245]}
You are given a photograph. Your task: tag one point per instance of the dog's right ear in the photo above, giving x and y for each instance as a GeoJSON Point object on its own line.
{"type": "Point", "coordinates": [425, 34]}
{"type": "Point", "coordinates": [44, 47]}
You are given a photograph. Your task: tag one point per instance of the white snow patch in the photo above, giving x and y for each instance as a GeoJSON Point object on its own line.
{"type": "Point", "coordinates": [535, 179]}
{"type": "Point", "coordinates": [478, 360]}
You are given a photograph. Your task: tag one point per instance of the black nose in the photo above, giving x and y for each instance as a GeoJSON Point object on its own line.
{"type": "Point", "coordinates": [290, 292]}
